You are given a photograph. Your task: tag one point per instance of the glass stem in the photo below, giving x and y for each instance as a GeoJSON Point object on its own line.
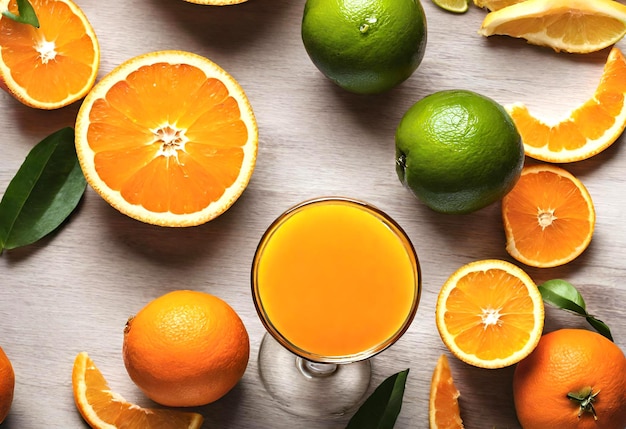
{"type": "Point", "coordinates": [315, 369]}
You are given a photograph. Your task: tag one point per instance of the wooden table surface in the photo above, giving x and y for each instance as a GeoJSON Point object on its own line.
{"type": "Point", "coordinates": [75, 289]}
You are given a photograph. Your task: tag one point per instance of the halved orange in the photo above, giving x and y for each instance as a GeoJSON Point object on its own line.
{"type": "Point", "coordinates": [104, 409]}
{"type": "Point", "coordinates": [588, 130]}
{"type": "Point", "coordinates": [577, 26]}
{"type": "Point", "coordinates": [168, 138]}
{"type": "Point", "coordinates": [51, 66]}
{"type": "Point", "coordinates": [548, 217]}
{"type": "Point", "coordinates": [490, 313]}
{"type": "Point", "coordinates": [443, 410]}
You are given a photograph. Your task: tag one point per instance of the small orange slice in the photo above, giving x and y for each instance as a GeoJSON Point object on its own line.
{"type": "Point", "coordinates": [577, 26]}
{"type": "Point", "coordinates": [104, 409]}
{"type": "Point", "coordinates": [495, 4]}
{"type": "Point", "coordinates": [51, 66]}
{"type": "Point", "coordinates": [168, 138]}
{"type": "Point", "coordinates": [591, 128]}
{"type": "Point", "coordinates": [444, 411]}
{"type": "Point", "coordinates": [490, 314]}
{"type": "Point", "coordinates": [548, 217]}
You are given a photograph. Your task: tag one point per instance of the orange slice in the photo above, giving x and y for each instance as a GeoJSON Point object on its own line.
{"type": "Point", "coordinates": [51, 66]}
{"type": "Point", "coordinates": [104, 409]}
{"type": "Point", "coordinates": [548, 217]}
{"type": "Point", "coordinates": [578, 26]}
{"type": "Point", "coordinates": [588, 130]}
{"type": "Point", "coordinates": [495, 4]}
{"type": "Point", "coordinates": [444, 411]}
{"type": "Point", "coordinates": [168, 138]}
{"type": "Point", "coordinates": [490, 314]}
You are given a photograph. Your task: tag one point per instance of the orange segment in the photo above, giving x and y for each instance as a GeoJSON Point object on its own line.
{"type": "Point", "coordinates": [495, 4]}
{"type": "Point", "coordinates": [104, 409]}
{"type": "Point", "coordinates": [444, 411]}
{"type": "Point", "coordinates": [548, 217]}
{"type": "Point", "coordinates": [168, 138]}
{"type": "Point", "coordinates": [591, 128]}
{"type": "Point", "coordinates": [51, 66]}
{"type": "Point", "coordinates": [578, 26]}
{"type": "Point", "coordinates": [490, 314]}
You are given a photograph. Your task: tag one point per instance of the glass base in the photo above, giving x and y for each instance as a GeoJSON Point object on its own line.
{"type": "Point", "coordinates": [308, 389]}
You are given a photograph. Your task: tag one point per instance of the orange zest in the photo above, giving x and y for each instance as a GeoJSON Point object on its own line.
{"type": "Point", "coordinates": [591, 128]}
{"type": "Point", "coordinates": [51, 66]}
{"type": "Point", "coordinates": [549, 217]}
{"type": "Point", "coordinates": [490, 314]}
{"type": "Point", "coordinates": [168, 138]}
{"type": "Point", "coordinates": [443, 410]}
{"type": "Point", "coordinates": [103, 409]}
{"type": "Point", "coordinates": [577, 26]}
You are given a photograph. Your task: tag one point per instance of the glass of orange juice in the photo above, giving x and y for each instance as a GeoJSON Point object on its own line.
{"type": "Point", "coordinates": [335, 281]}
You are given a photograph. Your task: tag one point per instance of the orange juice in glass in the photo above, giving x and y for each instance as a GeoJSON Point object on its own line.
{"type": "Point", "coordinates": [335, 281]}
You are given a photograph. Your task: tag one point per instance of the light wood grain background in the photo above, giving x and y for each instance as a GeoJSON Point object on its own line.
{"type": "Point", "coordinates": [74, 290]}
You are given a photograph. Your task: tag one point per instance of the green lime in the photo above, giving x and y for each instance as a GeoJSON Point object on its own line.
{"type": "Point", "coordinates": [455, 6]}
{"type": "Point", "coordinates": [458, 151]}
{"type": "Point", "coordinates": [365, 46]}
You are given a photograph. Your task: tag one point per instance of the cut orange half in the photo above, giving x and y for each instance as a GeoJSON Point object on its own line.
{"type": "Point", "coordinates": [577, 26]}
{"type": "Point", "coordinates": [51, 66]}
{"type": "Point", "coordinates": [588, 130]}
{"type": "Point", "coordinates": [103, 409]}
{"type": "Point", "coordinates": [490, 314]}
{"type": "Point", "coordinates": [548, 217]}
{"type": "Point", "coordinates": [168, 138]}
{"type": "Point", "coordinates": [443, 410]}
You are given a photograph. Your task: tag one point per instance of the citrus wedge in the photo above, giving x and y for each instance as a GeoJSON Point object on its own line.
{"type": "Point", "coordinates": [51, 66]}
{"type": "Point", "coordinates": [588, 130]}
{"type": "Point", "coordinates": [104, 409]}
{"type": "Point", "coordinates": [454, 6]}
{"type": "Point", "coordinates": [495, 4]}
{"type": "Point", "coordinates": [548, 217]}
{"type": "Point", "coordinates": [443, 410]}
{"type": "Point", "coordinates": [216, 2]}
{"type": "Point", "coordinates": [168, 138]}
{"type": "Point", "coordinates": [577, 26]}
{"type": "Point", "coordinates": [490, 314]}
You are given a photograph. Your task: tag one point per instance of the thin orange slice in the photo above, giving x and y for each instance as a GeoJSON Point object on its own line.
{"type": "Point", "coordinates": [444, 411]}
{"type": "Point", "coordinates": [588, 130]}
{"type": "Point", "coordinates": [548, 217]}
{"type": "Point", "coordinates": [168, 138]}
{"type": "Point", "coordinates": [490, 314]}
{"type": "Point", "coordinates": [495, 4]}
{"type": "Point", "coordinates": [577, 26]}
{"type": "Point", "coordinates": [51, 66]}
{"type": "Point", "coordinates": [104, 409]}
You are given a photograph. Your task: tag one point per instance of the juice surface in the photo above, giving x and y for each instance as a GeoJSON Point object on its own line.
{"type": "Point", "coordinates": [335, 280]}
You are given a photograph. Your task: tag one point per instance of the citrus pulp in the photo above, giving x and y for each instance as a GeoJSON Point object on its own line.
{"type": "Point", "coordinates": [458, 151]}
{"type": "Point", "coordinates": [365, 46]}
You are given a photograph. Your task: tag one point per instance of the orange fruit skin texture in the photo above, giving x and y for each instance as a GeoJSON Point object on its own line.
{"type": "Point", "coordinates": [7, 385]}
{"type": "Point", "coordinates": [186, 348]}
{"type": "Point", "coordinates": [568, 360]}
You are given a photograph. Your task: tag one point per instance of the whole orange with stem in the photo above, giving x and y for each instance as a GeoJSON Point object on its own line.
{"type": "Point", "coordinates": [574, 379]}
{"type": "Point", "coordinates": [7, 385]}
{"type": "Point", "coordinates": [186, 348]}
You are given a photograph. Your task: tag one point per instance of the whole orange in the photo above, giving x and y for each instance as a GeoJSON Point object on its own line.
{"type": "Point", "coordinates": [186, 348]}
{"type": "Point", "coordinates": [574, 379]}
{"type": "Point", "coordinates": [7, 385]}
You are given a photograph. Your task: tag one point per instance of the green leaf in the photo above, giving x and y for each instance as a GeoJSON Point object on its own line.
{"type": "Point", "coordinates": [381, 409]}
{"type": "Point", "coordinates": [563, 295]}
{"type": "Point", "coordinates": [600, 326]}
{"type": "Point", "coordinates": [26, 14]}
{"type": "Point", "coordinates": [43, 193]}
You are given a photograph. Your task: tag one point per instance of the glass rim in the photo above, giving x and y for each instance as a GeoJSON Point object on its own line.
{"type": "Point", "coordinates": [395, 228]}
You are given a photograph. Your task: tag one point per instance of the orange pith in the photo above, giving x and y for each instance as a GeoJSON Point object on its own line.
{"type": "Point", "coordinates": [51, 66]}
{"type": "Point", "coordinates": [104, 409]}
{"type": "Point", "coordinates": [590, 128]}
{"type": "Point", "coordinates": [444, 411]}
{"type": "Point", "coordinates": [490, 314]}
{"type": "Point", "coordinates": [548, 217]}
{"type": "Point", "coordinates": [168, 138]}
{"type": "Point", "coordinates": [576, 26]}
